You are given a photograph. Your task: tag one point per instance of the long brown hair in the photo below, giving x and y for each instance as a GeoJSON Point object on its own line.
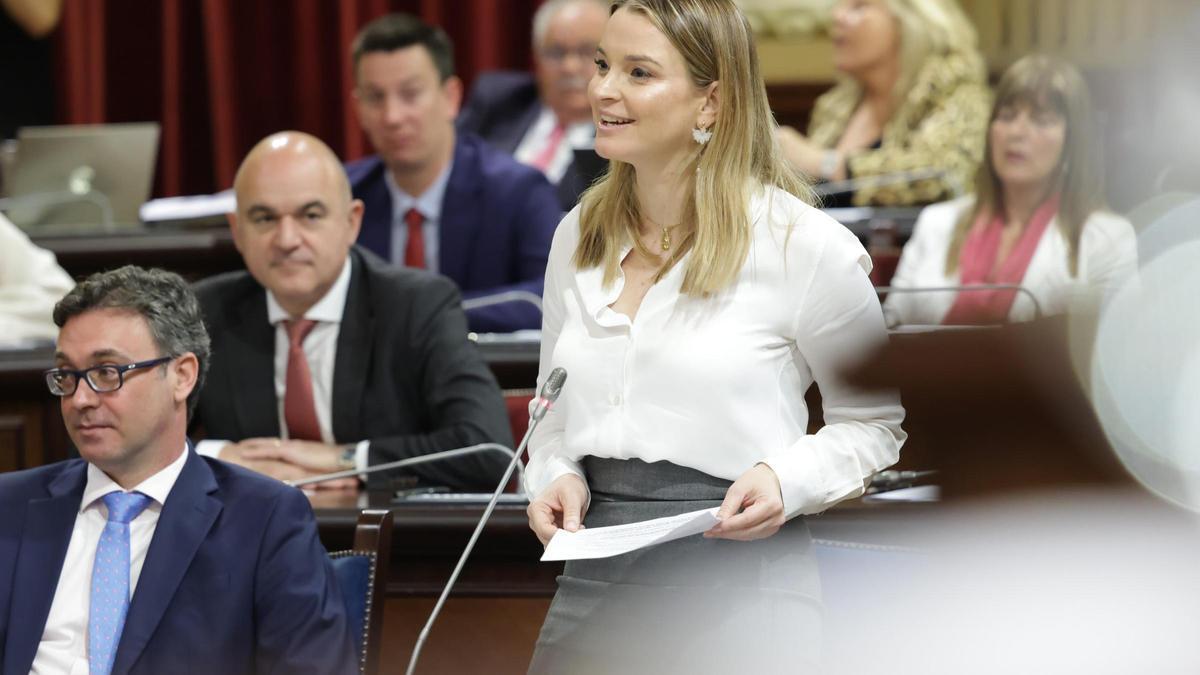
{"type": "Point", "coordinates": [717, 45]}
{"type": "Point", "coordinates": [1043, 83]}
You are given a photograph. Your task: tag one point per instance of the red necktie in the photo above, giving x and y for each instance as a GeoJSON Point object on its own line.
{"type": "Point", "coordinates": [546, 156]}
{"type": "Point", "coordinates": [414, 249]}
{"type": "Point", "coordinates": [299, 408]}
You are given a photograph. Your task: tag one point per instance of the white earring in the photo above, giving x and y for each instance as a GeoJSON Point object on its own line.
{"type": "Point", "coordinates": [701, 136]}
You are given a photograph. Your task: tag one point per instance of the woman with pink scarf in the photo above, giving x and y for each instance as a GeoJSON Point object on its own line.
{"type": "Point", "coordinates": [1037, 218]}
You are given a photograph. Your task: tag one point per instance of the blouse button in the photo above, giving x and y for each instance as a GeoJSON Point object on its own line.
{"type": "Point", "coordinates": [614, 399]}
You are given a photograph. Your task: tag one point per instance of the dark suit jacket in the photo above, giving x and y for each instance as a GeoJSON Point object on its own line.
{"type": "Point", "coordinates": [235, 579]}
{"type": "Point", "coordinates": [500, 108]}
{"type": "Point", "coordinates": [498, 218]}
{"type": "Point", "coordinates": [405, 377]}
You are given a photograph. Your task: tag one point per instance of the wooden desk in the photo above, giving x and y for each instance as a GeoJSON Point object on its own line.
{"type": "Point", "coordinates": [193, 253]}
{"type": "Point", "coordinates": [491, 621]}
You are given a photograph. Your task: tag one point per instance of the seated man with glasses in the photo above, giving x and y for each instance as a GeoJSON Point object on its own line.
{"type": "Point", "coordinates": [541, 119]}
{"type": "Point", "coordinates": [144, 557]}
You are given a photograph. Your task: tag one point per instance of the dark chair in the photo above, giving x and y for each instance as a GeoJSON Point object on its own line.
{"type": "Point", "coordinates": [362, 575]}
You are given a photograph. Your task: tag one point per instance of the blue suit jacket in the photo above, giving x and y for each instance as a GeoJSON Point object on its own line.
{"type": "Point", "coordinates": [500, 108]}
{"type": "Point", "coordinates": [235, 579]}
{"type": "Point", "coordinates": [498, 218]}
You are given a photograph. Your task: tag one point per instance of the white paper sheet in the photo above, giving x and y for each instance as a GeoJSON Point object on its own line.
{"type": "Point", "coordinates": [605, 542]}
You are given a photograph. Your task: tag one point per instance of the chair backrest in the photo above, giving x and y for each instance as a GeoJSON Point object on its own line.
{"type": "Point", "coordinates": [516, 402]}
{"type": "Point", "coordinates": [362, 575]}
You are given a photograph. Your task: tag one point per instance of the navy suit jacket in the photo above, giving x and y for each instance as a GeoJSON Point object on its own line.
{"type": "Point", "coordinates": [500, 109]}
{"type": "Point", "coordinates": [235, 579]}
{"type": "Point", "coordinates": [498, 218]}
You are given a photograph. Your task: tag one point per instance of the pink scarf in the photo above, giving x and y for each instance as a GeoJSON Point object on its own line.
{"type": "Point", "coordinates": [978, 265]}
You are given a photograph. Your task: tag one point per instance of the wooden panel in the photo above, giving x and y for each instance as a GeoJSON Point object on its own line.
{"type": "Point", "coordinates": [12, 442]}
{"type": "Point", "coordinates": [791, 61]}
{"type": "Point", "coordinates": [23, 441]}
{"type": "Point", "coordinates": [1080, 17]}
{"type": "Point", "coordinates": [472, 635]}
{"type": "Point", "coordinates": [792, 103]}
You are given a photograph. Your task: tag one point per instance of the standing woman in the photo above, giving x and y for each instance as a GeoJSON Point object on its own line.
{"type": "Point", "coordinates": [693, 297]}
{"type": "Point", "coordinates": [913, 99]}
{"type": "Point", "coordinates": [1037, 218]}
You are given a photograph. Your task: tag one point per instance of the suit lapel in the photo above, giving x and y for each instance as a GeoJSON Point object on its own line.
{"type": "Point", "coordinates": [44, 540]}
{"type": "Point", "coordinates": [514, 132]}
{"type": "Point", "coordinates": [185, 521]}
{"type": "Point", "coordinates": [354, 351]}
{"type": "Point", "coordinates": [376, 232]}
{"type": "Point", "coordinates": [460, 210]}
{"type": "Point", "coordinates": [252, 368]}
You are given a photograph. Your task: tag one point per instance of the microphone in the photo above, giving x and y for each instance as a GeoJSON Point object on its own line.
{"type": "Point", "coordinates": [549, 394]}
{"type": "Point", "coordinates": [1037, 306]}
{"type": "Point", "coordinates": [502, 298]}
{"type": "Point", "coordinates": [896, 178]}
{"type": "Point", "coordinates": [545, 400]}
{"type": "Point", "coordinates": [894, 480]}
{"type": "Point", "coordinates": [411, 461]}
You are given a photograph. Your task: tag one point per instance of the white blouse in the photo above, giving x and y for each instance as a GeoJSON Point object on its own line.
{"type": "Point", "coordinates": [717, 384]}
{"type": "Point", "coordinates": [1107, 257]}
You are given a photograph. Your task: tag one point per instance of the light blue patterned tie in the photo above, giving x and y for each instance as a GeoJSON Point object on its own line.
{"type": "Point", "coordinates": [110, 580]}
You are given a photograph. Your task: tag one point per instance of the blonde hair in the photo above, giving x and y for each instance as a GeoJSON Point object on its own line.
{"type": "Point", "coordinates": [717, 46]}
{"type": "Point", "coordinates": [927, 28]}
{"type": "Point", "coordinates": [931, 28]}
{"type": "Point", "coordinates": [1043, 83]}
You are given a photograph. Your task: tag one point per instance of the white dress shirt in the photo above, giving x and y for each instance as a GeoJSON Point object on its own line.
{"type": "Point", "coordinates": [63, 648]}
{"type": "Point", "coordinates": [717, 384]}
{"type": "Point", "coordinates": [320, 350]}
{"type": "Point", "coordinates": [30, 283]}
{"type": "Point", "coordinates": [1107, 257]}
{"type": "Point", "coordinates": [537, 137]}
{"type": "Point", "coordinates": [429, 203]}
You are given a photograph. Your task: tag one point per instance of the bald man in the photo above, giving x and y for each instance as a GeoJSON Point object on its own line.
{"type": "Point", "coordinates": [324, 356]}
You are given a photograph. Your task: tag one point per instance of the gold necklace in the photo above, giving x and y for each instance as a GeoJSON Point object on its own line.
{"type": "Point", "coordinates": [666, 233]}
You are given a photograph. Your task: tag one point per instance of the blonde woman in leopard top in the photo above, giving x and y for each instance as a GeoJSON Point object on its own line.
{"type": "Point", "coordinates": [914, 101]}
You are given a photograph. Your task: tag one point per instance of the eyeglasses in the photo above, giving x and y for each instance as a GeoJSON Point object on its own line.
{"type": "Point", "coordinates": [102, 379]}
{"type": "Point", "coordinates": [585, 53]}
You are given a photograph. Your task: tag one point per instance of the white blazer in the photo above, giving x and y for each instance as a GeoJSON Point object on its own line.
{"type": "Point", "coordinates": [1107, 257]}
{"type": "Point", "coordinates": [30, 283]}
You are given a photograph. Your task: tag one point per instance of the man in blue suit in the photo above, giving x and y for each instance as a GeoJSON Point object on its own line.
{"type": "Point", "coordinates": [436, 199]}
{"type": "Point", "coordinates": [143, 557]}
{"type": "Point", "coordinates": [544, 119]}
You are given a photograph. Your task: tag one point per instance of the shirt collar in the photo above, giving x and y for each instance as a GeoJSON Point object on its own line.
{"type": "Point", "coordinates": [579, 135]}
{"type": "Point", "coordinates": [156, 487]}
{"type": "Point", "coordinates": [429, 203]}
{"type": "Point", "coordinates": [328, 309]}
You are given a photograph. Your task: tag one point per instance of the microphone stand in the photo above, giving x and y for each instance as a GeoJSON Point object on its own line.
{"type": "Point", "coordinates": [546, 398]}
{"type": "Point", "coordinates": [420, 459]}
{"type": "Point", "coordinates": [1037, 307]}
{"type": "Point", "coordinates": [502, 298]}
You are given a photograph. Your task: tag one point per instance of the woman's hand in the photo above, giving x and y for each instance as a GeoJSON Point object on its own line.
{"type": "Point", "coordinates": [561, 505]}
{"type": "Point", "coordinates": [753, 507]}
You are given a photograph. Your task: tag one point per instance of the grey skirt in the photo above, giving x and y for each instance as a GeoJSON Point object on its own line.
{"type": "Point", "coordinates": [693, 605]}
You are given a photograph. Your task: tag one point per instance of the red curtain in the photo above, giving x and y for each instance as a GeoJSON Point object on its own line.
{"type": "Point", "coordinates": [218, 75]}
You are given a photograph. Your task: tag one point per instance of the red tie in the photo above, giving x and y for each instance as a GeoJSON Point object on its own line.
{"type": "Point", "coordinates": [299, 410]}
{"type": "Point", "coordinates": [414, 249]}
{"type": "Point", "coordinates": [546, 156]}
